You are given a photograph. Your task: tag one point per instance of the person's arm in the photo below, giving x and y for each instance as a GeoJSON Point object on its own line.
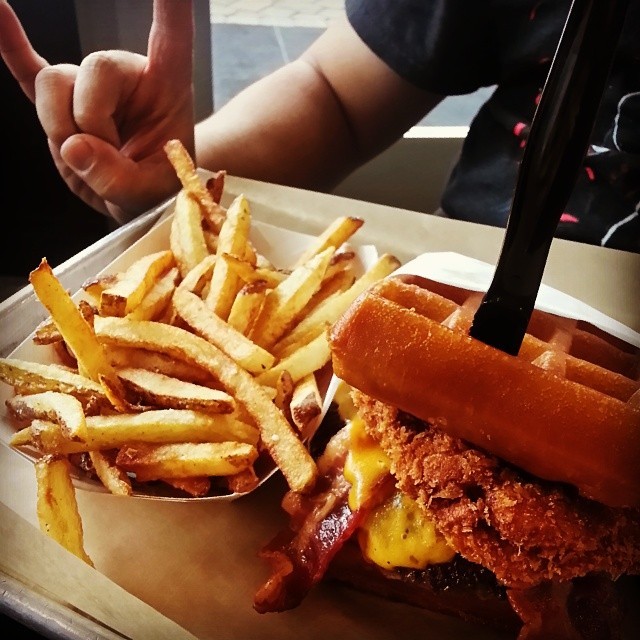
{"type": "Point", "coordinates": [313, 121]}
{"type": "Point", "coordinates": [308, 124]}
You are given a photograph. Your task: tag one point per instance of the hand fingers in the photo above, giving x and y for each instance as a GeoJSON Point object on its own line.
{"type": "Point", "coordinates": [75, 183]}
{"type": "Point", "coordinates": [170, 48]}
{"type": "Point", "coordinates": [105, 81]}
{"type": "Point", "coordinates": [131, 186]}
{"type": "Point", "coordinates": [54, 89]}
{"type": "Point", "coordinates": [22, 60]}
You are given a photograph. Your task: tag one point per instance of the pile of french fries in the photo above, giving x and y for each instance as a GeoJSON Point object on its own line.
{"type": "Point", "coordinates": [188, 368]}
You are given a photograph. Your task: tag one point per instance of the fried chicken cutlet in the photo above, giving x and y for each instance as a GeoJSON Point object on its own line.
{"type": "Point", "coordinates": [524, 530]}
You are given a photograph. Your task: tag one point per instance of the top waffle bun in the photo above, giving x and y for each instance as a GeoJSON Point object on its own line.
{"type": "Point", "coordinates": [566, 409]}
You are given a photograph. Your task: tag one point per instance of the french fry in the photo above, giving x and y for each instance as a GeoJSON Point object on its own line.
{"type": "Point", "coordinates": [34, 377]}
{"type": "Point", "coordinates": [197, 486]}
{"type": "Point", "coordinates": [64, 355]}
{"type": "Point", "coordinates": [243, 481]}
{"type": "Point", "coordinates": [211, 240]}
{"type": "Point", "coordinates": [215, 185]}
{"type": "Point", "coordinates": [196, 279]}
{"type": "Point", "coordinates": [158, 390]}
{"type": "Point", "coordinates": [48, 438]}
{"type": "Point", "coordinates": [283, 304]}
{"type": "Point", "coordinates": [181, 161]}
{"type": "Point", "coordinates": [133, 358]}
{"type": "Point", "coordinates": [114, 479]}
{"type": "Point", "coordinates": [77, 333]}
{"type": "Point", "coordinates": [185, 460]}
{"type": "Point", "coordinates": [233, 240]}
{"type": "Point", "coordinates": [334, 286]}
{"type": "Point", "coordinates": [123, 297]}
{"type": "Point", "coordinates": [87, 310]}
{"type": "Point", "coordinates": [306, 405]}
{"type": "Point", "coordinates": [328, 312]}
{"type": "Point", "coordinates": [168, 316]}
{"type": "Point", "coordinates": [57, 507]}
{"type": "Point", "coordinates": [250, 254]}
{"type": "Point", "coordinates": [338, 232]}
{"type": "Point", "coordinates": [246, 306]}
{"type": "Point", "coordinates": [284, 446]}
{"type": "Point", "coordinates": [166, 426]}
{"type": "Point", "coordinates": [62, 408]}
{"type": "Point", "coordinates": [186, 237]}
{"type": "Point", "coordinates": [251, 273]}
{"type": "Point", "coordinates": [308, 358]}
{"type": "Point", "coordinates": [340, 262]}
{"type": "Point", "coordinates": [209, 326]}
{"type": "Point", "coordinates": [161, 426]}
{"type": "Point", "coordinates": [157, 298]}
{"type": "Point", "coordinates": [94, 287]}
{"type": "Point", "coordinates": [46, 333]}
{"type": "Point", "coordinates": [284, 393]}
{"type": "Point", "coordinates": [23, 437]}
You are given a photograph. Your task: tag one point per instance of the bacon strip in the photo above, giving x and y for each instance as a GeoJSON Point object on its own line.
{"type": "Point", "coordinates": [320, 525]}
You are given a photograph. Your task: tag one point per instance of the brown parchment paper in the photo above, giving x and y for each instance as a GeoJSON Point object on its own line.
{"type": "Point", "coordinates": [195, 563]}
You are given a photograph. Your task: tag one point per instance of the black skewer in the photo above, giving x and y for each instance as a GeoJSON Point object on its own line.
{"type": "Point", "coordinates": [555, 149]}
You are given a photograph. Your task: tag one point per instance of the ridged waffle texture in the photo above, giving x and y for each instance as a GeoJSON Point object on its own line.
{"type": "Point", "coordinates": [567, 408]}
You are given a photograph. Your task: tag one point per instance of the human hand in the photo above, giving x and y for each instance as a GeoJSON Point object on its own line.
{"type": "Point", "coordinates": [107, 119]}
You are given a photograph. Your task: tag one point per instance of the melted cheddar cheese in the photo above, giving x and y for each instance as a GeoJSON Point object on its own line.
{"type": "Point", "coordinates": [366, 465]}
{"type": "Point", "coordinates": [396, 532]}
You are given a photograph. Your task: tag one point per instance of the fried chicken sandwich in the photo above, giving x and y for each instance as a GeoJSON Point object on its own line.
{"type": "Point", "coordinates": [499, 489]}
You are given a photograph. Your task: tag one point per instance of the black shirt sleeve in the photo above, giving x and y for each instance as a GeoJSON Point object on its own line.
{"type": "Point", "coordinates": [444, 46]}
{"type": "Point", "coordinates": [453, 47]}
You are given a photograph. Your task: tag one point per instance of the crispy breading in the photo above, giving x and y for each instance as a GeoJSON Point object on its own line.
{"type": "Point", "coordinates": [522, 529]}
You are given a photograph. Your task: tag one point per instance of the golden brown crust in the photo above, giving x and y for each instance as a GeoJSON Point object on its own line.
{"type": "Point", "coordinates": [537, 419]}
{"type": "Point", "coordinates": [524, 531]}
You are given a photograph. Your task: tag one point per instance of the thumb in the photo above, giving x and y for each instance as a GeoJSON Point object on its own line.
{"type": "Point", "coordinates": [132, 186]}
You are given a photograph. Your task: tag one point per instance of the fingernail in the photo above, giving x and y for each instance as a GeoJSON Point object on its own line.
{"type": "Point", "coordinates": [79, 155]}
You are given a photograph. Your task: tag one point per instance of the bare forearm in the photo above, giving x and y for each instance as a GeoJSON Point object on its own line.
{"type": "Point", "coordinates": [314, 120]}
{"type": "Point", "coordinates": [288, 128]}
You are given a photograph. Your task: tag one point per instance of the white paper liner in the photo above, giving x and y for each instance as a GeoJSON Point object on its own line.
{"type": "Point", "coordinates": [468, 273]}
